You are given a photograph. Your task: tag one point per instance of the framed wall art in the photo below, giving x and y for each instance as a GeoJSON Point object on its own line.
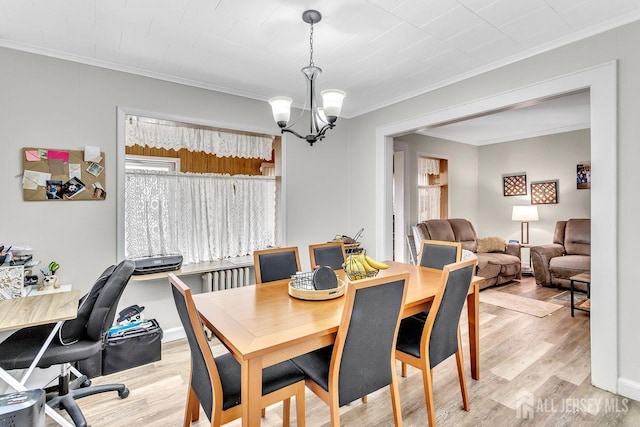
{"type": "Point", "coordinates": [583, 176]}
{"type": "Point", "coordinates": [544, 192]}
{"type": "Point", "coordinates": [514, 184]}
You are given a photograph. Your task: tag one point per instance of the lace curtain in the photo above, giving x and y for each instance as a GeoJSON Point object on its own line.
{"type": "Point", "coordinates": [203, 216]}
{"type": "Point", "coordinates": [427, 166]}
{"type": "Point", "coordinates": [429, 203]}
{"type": "Point", "coordinates": [220, 143]}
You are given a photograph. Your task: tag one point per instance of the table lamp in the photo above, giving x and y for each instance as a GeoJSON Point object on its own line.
{"type": "Point", "coordinates": [524, 214]}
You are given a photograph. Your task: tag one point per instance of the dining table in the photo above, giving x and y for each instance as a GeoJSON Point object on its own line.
{"type": "Point", "coordinates": [263, 325]}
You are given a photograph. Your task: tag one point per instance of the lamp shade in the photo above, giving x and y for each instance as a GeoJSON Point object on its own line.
{"type": "Point", "coordinates": [332, 102]}
{"type": "Point", "coordinates": [281, 107]}
{"type": "Point", "coordinates": [524, 213]}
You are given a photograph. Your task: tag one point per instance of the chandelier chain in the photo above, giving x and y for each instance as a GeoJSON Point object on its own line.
{"type": "Point", "coordinates": [311, 64]}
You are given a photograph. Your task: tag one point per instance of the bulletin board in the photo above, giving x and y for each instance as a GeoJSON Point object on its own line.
{"type": "Point", "coordinates": [59, 175]}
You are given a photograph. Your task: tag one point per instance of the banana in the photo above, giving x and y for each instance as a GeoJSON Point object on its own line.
{"type": "Point", "coordinates": [375, 264]}
{"type": "Point", "coordinates": [365, 264]}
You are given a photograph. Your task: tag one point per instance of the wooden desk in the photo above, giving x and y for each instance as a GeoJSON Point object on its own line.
{"type": "Point", "coordinates": [262, 325]}
{"type": "Point", "coordinates": [37, 310]}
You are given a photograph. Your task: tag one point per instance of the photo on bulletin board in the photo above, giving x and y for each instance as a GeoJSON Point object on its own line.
{"type": "Point", "coordinates": [59, 175]}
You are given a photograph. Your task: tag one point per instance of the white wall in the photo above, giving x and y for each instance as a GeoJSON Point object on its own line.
{"type": "Point", "coordinates": [615, 45]}
{"type": "Point", "coordinates": [52, 103]}
{"type": "Point", "coordinates": [551, 157]}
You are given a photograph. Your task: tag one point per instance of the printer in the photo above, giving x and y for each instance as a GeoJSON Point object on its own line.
{"type": "Point", "coordinates": [157, 263]}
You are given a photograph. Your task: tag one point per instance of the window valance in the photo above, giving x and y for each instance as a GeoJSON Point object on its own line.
{"type": "Point", "coordinates": [218, 142]}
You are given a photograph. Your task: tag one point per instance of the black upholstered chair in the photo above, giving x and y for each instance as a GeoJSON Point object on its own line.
{"type": "Point", "coordinates": [78, 339]}
{"type": "Point", "coordinates": [331, 254]}
{"type": "Point", "coordinates": [436, 254]}
{"type": "Point", "coordinates": [361, 360]}
{"type": "Point", "coordinates": [215, 382]}
{"type": "Point", "coordinates": [425, 344]}
{"type": "Point", "coordinates": [276, 264]}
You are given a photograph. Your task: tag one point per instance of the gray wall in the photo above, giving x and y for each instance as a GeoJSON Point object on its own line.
{"type": "Point", "coordinates": [543, 158]}
{"type": "Point", "coordinates": [463, 174]}
{"type": "Point", "coordinates": [52, 103]}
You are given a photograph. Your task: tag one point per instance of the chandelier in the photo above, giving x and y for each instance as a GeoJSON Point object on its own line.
{"type": "Point", "coordinates": [321, 118]}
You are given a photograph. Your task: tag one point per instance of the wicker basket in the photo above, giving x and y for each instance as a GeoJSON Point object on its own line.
{"type": "Point", "coordinates": [301, 287]}
{"type": "Point", "coordinates": [355, 275]}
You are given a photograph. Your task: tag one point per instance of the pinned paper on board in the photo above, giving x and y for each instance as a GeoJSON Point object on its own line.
{"type": "Point", "coordinates": [92, 154]}
{"type": "Point", "coordinates": [31, 180]}
{"type": "Point", "coordinates": [32, 156]}
{"type": "Point", "coordinates": [75, 171]}
{"type": "Point", "coordinates": [58, 155]}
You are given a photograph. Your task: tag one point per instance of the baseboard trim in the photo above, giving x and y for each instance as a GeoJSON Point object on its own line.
{"type": "Point", "coordinates": [628, 388]}
{"type": "Point", "coordinates": [173, 334]}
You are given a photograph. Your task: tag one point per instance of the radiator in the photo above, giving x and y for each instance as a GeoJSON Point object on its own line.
{"type": "Point", "coordinates": [225, 279]}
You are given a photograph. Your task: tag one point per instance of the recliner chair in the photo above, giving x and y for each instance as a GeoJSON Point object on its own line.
{"type": "Point", "coordinates": [78, 339]}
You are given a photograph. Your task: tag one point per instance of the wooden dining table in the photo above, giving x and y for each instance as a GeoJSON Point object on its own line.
{"type": "Point", "coordinates": [262, 325]}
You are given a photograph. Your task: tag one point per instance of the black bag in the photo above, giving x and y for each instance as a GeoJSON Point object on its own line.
{"type": "Point", "coordinates": [135, 347]}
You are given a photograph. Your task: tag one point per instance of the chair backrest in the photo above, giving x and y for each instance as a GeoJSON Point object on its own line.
{"type": "Point", "coordinates": [440, 334]}
{"type": "Point", "coordinates": [363, 353]}
{"type": "Point", "coordinates": [104, 308]}
{"type": "Point", "coordinates": [205, 379]}
{"type": "Point", "coordinates": [73, 330]}
{"type": "Point", "coordinates": [276, 264]}
{"type": "Point", "coordinates": [331, 254]}
{"type": "Point", "coordinates": [97, 309]}
{"type": "Point", "coordinates": [437, 253]}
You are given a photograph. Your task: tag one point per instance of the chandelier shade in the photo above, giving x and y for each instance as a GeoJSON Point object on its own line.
{"type": "Point", "coordinates": [321, 118]}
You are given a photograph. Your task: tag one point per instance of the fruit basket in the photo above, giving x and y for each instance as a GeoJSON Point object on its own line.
{"type": "Point", "coordinates": [361, 266]}
{"type": "Point", "coordinates": [357, 275]}
{"type": "Point", "coordinates": [301, 287]}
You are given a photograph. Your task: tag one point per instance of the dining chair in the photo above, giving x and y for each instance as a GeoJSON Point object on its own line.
{"type": "Point", "coordinates": [361, 360]}
{"type": "Point", "coordinates": [437, 253]}
{"type": "Point", "coordinates": [276, 264]}
{"type": "Point", "coordinates": [215, 381]}
{"type": "Point", "coordinates": [424, 344]}
{"type": "Point", "coordinates": [413, 253]}
{"type": "Point", "coordinates": [331, 254]}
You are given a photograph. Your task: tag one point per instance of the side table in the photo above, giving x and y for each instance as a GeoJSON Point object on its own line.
{"type": "Point", "coordinates": [584, 305]}
{"type": "Point", "coordinates": [527, 271]}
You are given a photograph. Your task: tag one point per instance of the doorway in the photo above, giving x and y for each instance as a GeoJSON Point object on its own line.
{"type": "Point", "coordinates": [601, 81]}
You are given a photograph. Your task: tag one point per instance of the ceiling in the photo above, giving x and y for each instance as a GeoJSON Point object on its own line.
{"type": "Point", "coordinates": [378, 51]}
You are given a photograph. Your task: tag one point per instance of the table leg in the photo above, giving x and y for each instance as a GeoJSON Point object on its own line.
{"type": "Point", "coordinates": [251, 378]}
{"type": "Point", "coordinates": [572, 303]}
{"type": "Point", "coordinates": [473, 314]}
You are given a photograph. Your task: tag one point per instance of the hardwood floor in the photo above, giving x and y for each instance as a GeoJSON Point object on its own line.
{"type": "Point", "coordinates": [541, 364]}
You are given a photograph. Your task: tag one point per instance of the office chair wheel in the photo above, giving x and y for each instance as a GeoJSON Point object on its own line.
{"type": "Point", "coordinates": [124, 393]}
{"type": "Point", "coordinates": [85, 383]}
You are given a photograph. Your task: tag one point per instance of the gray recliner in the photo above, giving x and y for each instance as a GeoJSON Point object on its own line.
{"type": "Point", "coordinates": [568, 255]}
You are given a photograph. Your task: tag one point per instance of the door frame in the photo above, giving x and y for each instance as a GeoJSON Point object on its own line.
{"type": "Point", "coordinates": [601, 80]}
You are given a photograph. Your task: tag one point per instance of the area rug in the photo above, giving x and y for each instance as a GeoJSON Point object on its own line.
{"type": "Point", "coordinates": [517, 303]}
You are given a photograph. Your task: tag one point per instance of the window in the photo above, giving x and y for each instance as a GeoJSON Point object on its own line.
{"type": "Point", "coordinates": [432, 188]}
{"type": "Point", "coordinates": [202, 200]}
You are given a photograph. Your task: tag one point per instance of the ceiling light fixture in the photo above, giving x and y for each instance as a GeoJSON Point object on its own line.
{"type": "Point", "coordinates": [322, 119]}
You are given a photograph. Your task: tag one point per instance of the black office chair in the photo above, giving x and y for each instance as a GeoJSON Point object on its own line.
{"type": "Point", "coordinates": [330, 254]}
{"type": "Point", "coordinates": [215, 382]}
{"type": "Point", "coordinates": [436, 254]}
{"type": "Point", "coordinates": [276, 264]}
{"type": "Point", "coordinates": [361, 360]}
{"type": "Point", "coordinates": [79, 339]}
{"type": "Point", "coordinates": [425, 344]}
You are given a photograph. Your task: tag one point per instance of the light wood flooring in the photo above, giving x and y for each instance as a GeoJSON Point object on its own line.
{"type": "Point", "coordinates": [543, 362]}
